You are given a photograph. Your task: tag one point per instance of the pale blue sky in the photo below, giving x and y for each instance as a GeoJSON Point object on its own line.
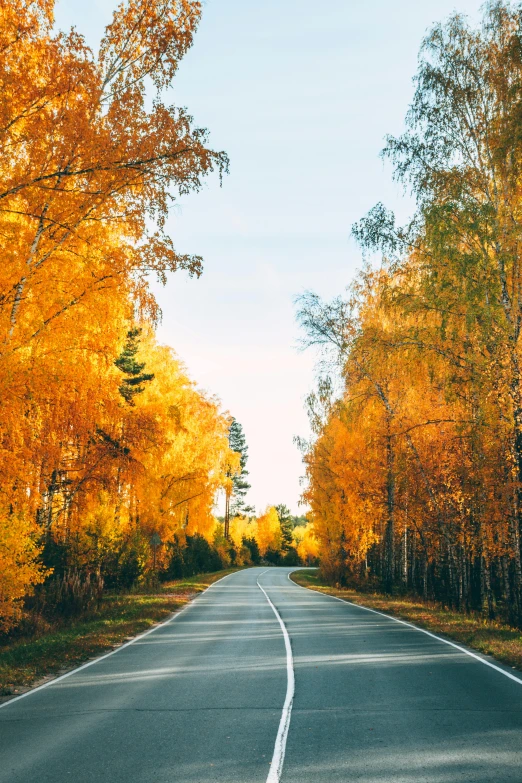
{"type": "Point", "coordinates": [300, 94]}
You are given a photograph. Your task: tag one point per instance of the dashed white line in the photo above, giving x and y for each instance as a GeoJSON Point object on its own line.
{"type": "Point", "coordinates": [278, 758]}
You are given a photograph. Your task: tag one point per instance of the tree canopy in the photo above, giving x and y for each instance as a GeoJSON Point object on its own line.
{"type": "Point", "coordinates": [415, 469]}
{"type": "Point", "coordinates": [104, 440]}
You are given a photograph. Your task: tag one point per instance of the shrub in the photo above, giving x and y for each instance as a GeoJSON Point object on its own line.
{"type": "Point", "coordinates": [69, 595]}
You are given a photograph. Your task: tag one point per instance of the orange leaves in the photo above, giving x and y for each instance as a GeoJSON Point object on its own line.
{"type": "Point", "coordinates": [19, 567]}
{"type": "Point", "coordinates": [75, 163]}
{"type": "Point", "coordinates": [87, 173]}
{"type": "Point", "coordinates": [415, 476]}
{"type": "Point", "coordinates": [268, 531]}
{"type": "Point", "coordinates": [411, 469]}
{"type": "Point", "coordinates": [147, 39]}
{"type": "Point", "coordinates": [306, 543]}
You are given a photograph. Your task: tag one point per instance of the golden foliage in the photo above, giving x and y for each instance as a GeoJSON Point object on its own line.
{"type": "Point", "coordinates": [88, 169]}
{"type": "Point", "coordinates": [19, 568]}
{"type": "Point", "coordinates": [268, 531]}
{"type": "Point", "coordinates": [415, 476]}
{"type": "Point", "coordinates": [306, 543]}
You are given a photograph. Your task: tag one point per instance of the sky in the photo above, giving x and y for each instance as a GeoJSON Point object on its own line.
{"type": "Point", "coordinates": [300, 94]}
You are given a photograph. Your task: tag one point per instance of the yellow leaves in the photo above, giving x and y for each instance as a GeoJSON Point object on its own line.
{"type": "Point", "coordinates": [413, 463]}
{"type": "Point", "coordinates": [180, 444]}
{"type": "Point", "coordinates": [98, 521]}
{"type": "Point", "coordinates": [19, 568]}
{"type": "Point", "coordinates": [86, 175]}
{"type": "Point", "coordinates": [81, 176]}
{"type": "Point", "coordinates": [306, 543]}
{"type": "Point", "coordinates": [147, 37]}
{"type": "Point", "coordinates": [242, 527]}
{"type": "Point", "coordinates": [268, 531]}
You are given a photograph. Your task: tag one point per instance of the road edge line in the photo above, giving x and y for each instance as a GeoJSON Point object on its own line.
{"type": "Point", "coordinates": [278, 758]}
{"type": "Point", "coordinates": [117, 650]}
{"type": "Point", "coordinates": [471, 654]}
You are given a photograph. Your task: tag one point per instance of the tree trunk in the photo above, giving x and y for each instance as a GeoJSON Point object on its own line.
{"type": "Point", "coordinates": [389, 533]}
{"type": "Point", "coordinates": [515, 605]}
{"type": "Point", "coordinates": [487, 594]}
{"type": "Point", "coordinates": [413, 559]}
{"type": "Point", "coordinates": [516, 526]}
{"type": "Point", "coordinates": [405, 555]}
{"type": "Point", "coordinates": [227, 515]}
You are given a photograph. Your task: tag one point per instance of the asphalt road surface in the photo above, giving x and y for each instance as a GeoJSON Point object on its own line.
{"type": "Point", "coordinates": [209, 698]}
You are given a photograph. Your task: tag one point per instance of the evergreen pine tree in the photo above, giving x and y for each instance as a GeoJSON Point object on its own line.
{"type": "Point", "coordinates": [126, 362]}
{"type": "Point", "coordinates": [240, 485]}
{"type": "Point", "coordinates": [235, 500]}
{"type": "Point", "coordinates": [287, 526]}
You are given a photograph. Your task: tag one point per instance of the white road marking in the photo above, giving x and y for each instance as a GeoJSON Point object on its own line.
{"type": "Point", "coordinates": [276, 766]}
{"type": "Point", "coordinates": [112, 652]}
{"type": "Point", "coordinates": [415, 628]}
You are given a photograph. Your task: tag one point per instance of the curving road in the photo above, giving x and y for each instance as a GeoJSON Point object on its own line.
{"type": "Point", "coordinates": [209, 698]}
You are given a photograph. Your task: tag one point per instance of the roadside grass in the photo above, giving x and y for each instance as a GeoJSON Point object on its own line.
{"type": "Point", "coordinates": [26, 660]}
{"type": "Point", "coordinates": [487, 636]}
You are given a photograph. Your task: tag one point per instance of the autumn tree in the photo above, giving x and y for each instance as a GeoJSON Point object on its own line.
{"type": "Point", "coordinates": [428, 348]}
{"type": "Point", "coordinates": [268, 531]}
{"type": "Point", "coordinates": [90, 166]}
{"type": "Point", "coordinates": [306, 543]}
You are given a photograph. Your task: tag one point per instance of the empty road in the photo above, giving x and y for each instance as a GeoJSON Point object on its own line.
{"type": "Point", "coordinates": [260, 680]}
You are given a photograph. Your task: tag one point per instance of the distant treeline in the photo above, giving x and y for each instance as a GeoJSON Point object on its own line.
{"type": "Point", "coordinates": [136, 562]}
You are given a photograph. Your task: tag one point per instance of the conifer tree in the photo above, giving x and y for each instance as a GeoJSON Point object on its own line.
{"type": "Point", "coordinates": [239, 486]}
{"type": "Point", "coordinates": [126, 362]}
{"type": "Point", "coordinates": [287, 526]}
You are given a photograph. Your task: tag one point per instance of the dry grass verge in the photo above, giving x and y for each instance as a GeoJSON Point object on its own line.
{"type": "Point", "coordinates": [487, 636]}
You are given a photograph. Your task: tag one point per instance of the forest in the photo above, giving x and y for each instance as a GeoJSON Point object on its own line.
{"type": "Point", "coordinates": [111, 458]}
{"type": "Point", "coordinates": [155, 624]}
{"type": "Point", "coordinates": [415, 466]}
